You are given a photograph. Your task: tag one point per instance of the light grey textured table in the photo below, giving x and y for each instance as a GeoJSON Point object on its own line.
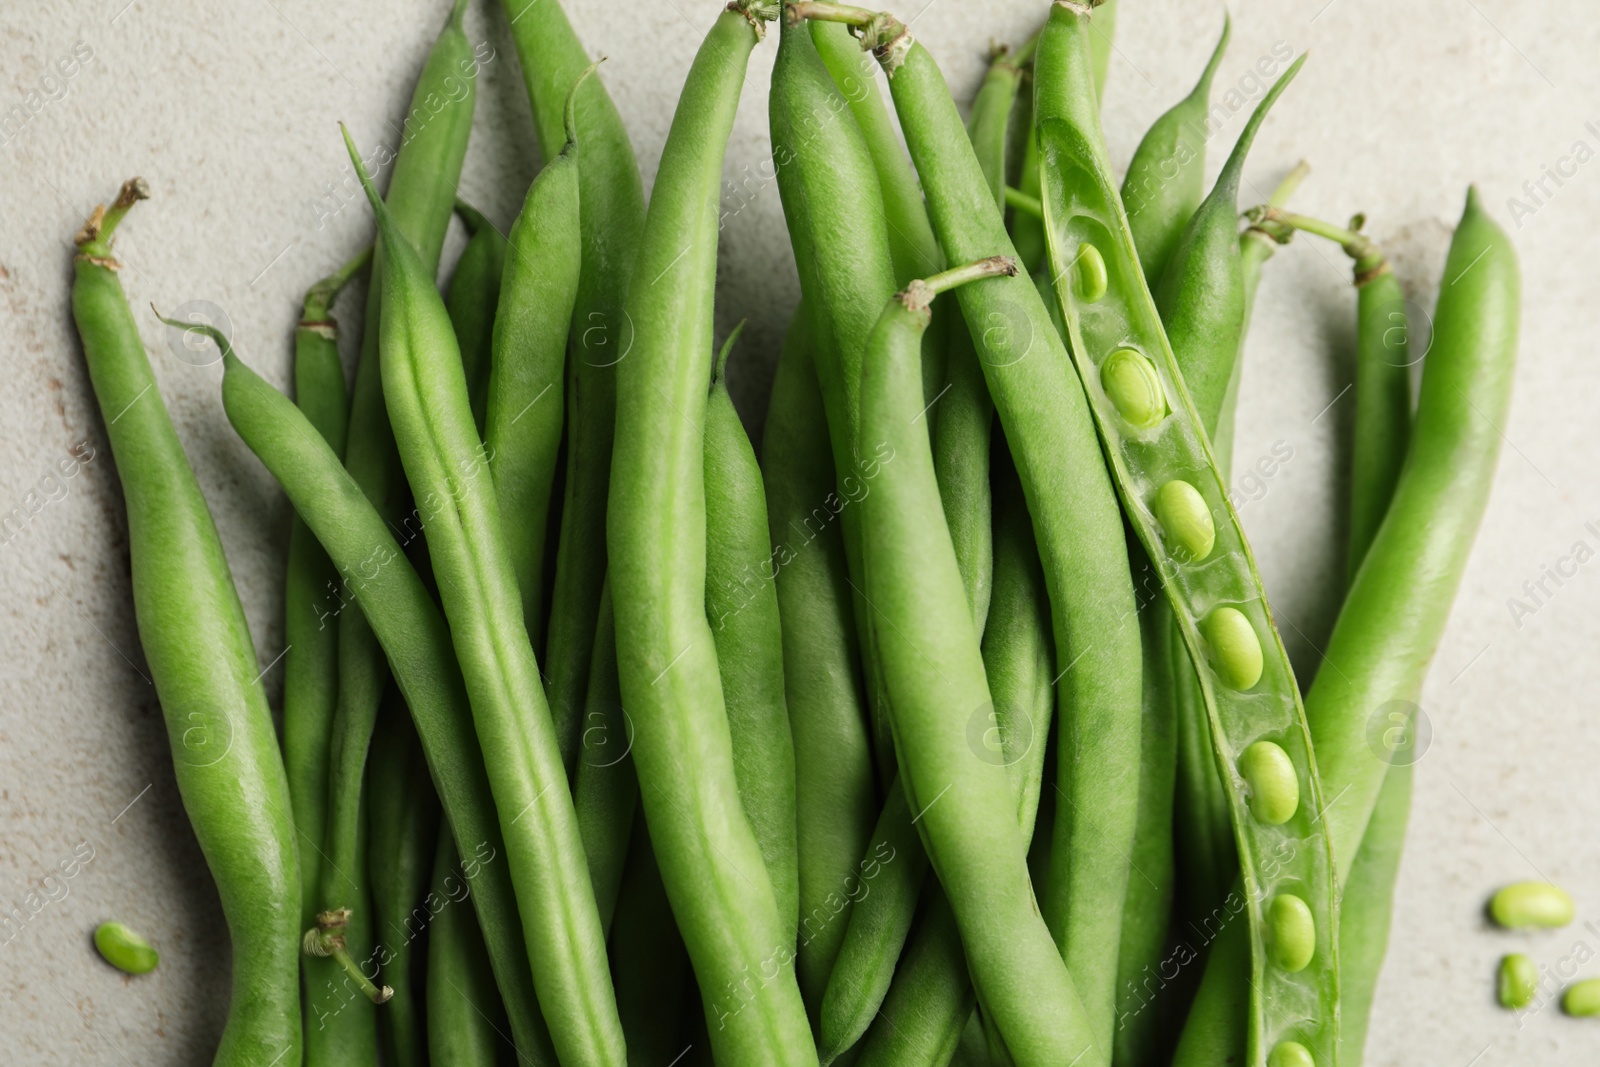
{"type": "Point", "coordinates": [229, 112]}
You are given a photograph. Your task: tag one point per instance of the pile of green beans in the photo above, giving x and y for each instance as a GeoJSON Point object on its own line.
{"type": "Point", "coordinates": [950, 725]}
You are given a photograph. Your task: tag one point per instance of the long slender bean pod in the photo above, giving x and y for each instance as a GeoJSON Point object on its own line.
{"type": "Point", "coordinates": [610, 221]}
{"type": "Point", "coordinates": [1201, 296]}
{"type": "Point", "coordinates": [930, 655]}
{"type": "Point", "coordinates": [1396, 609]}
{"type": "Point", "coordinates": [879, 923]}
{"type": "Point", "coordinates": [605, 790]}
{"type": "Point", "coordinates": [346, 1030]}
{"type": "Point", "coordinates": [1367, 907]}
{"type": "Point", "coordinates": [710, 861]}
{"type": "Point", "coordinates": [402, 837]}
{"type": "Point", "coordinates": [522, 430]}
{"type": "Point", "coordinates": [655, 986]}
{"type": "Point", "coordinates": [311, 662]}
{"type": "Point", "coordinates": [913, 249]}
{"type": "Point", "coordinates": [471, 299]}
{"type": "Point", "coordinates": [742, 606]}
{"type": "Point", "coordinates": [1257, 245]}
{"type": "Point", "coordinates": [1166, 177]}
{"type": "Point", "coordinates": [422, 193]}
{"type": "Point", "coordinates": [834, 207]}
{"type": "Point", "coordinates": [203, 663]}
{"type": "Point", "coordinates": [1177, 503]}
{"type": "Point", "coordinates": [966, 414]}
{"type": "Point", "coordinates": [417, 641]}
{"type": "Point", "coordinates": [835, 801]}
{"type": "Point", "coordinates": [1081, 543]}
{"type": "Point", "coordinates": [426, 392]}
{"type": "Point", "coordinates": [465, 1016]}
{"type": "Point", "coordinates": [928, 1004]}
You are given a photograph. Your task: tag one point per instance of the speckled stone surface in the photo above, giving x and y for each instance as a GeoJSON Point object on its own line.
{"type": "Point", "coordinates": [229, 111]}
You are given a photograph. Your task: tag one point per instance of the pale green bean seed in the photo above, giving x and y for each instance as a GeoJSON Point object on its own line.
{"type": "Point", "coordinates": [1089, 274]}
{"type": "Point", "coordinates": [1130, 380]}
{"type": "Point", "coordinates": [1185, 520]}
{"type": "Point", "coordinates": [1529, 904]}
{"type": "Point", "coordinates": [1274, 785]}
{"type": "Point", "coordinates": [124, 949]}
{"type": "Point", "coordinates": [1292, 932]}
{"type": "Point", "coordinates": [1519, 980]}
{"type": "Point", "coordinates": [1582, 998]}
{"type": "Point", "coordinates": [1235, 648]}
{"type": "Point", "coordinates": [1290, 1054]}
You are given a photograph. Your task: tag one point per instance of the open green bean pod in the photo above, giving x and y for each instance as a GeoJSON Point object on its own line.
{"type": "Point", "coordinates": [1176, 500]}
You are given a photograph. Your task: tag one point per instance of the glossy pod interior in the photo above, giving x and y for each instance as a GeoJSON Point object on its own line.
{"type": "Point", "coordinates": [1175, 498]}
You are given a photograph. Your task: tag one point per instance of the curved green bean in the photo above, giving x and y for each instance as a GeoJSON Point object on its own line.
{"type": "Point", "coordinates": [742, 606]}
{"type": "Point", "coordinates": [471, 299]}
{"type": "Point", "coordinates": [1366, 908]}
{"type": "Point", "coordinates": [427, 399]}
{"type": "Point", "coordinates": [311, 674]}
{"type": "Point", "coordinates": [931, 662]}
{"type": "Point", "coordinates": [605, 791]}
{"type": "Point", "coordinates": [1201, 295]}
{"type": "Point", "coordinates": [465, 1016]}
{"type": "Point", "coordinates": [1166, 177]}
{"type": "Point", "coordinates": [203, 663]}
{"type": "Point", "coordinates": [834, 206]}
{"type": "Point", "coordinates": [710, 861]}
{"type": "Point", "coordinates": [1396, 609]}
{"type": "Point", "coordinates": [1081, 544]}
{"type": "Point", "coordinates": [417, 640]}
{"type": "Point", "coordinates": [1220, 606]}
{"type": "Point", "coordinates": [402, 837]}
{"type": "Point", "coordinates": [913, 249]}
{"type": "Point", "coordinates": [611, 210]}
{"type": "Point", "coordinates": [835, 799]}
{"type": "Point", "coordinates": [522, 430]}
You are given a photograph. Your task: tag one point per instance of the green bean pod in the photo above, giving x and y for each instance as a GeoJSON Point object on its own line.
{"type": "Point", "coordinates": [966, 414]}
{"type": "Point", "coordinates": [1397, 607]}
{"type": "Point", "coordinates": [402, 838]}
{"type": "Point", "coordinates": [742, 606]}
{"type": "Point", "coordinates": [426, 171]}
{"type": "Point", "coordinates": [611, 209]}
{"type": "Point", "coordinates": [709, 858]}
{"type": "Point", "coordinates": [1256, 245]}
{"type": "Point", "coordinates": [426, 391]}
{"type": "Point", "coordinates": [417, 641]}
{"type": "Point", "coordinates": [1166, 177]}
{"type": "Point", "coordinates": [1383, 400]}
{"type": "Point", "coordinates": [346, 1030]}
{"type": "Point", "coordinates": [465, 1016]}
{"type": "Point", "coordinates": [928, 1005]}
{"type": "Point", "coordinates": [929, 651]}
{"type": "Point", "coordinates": [427, 398]}
{"type": "Point", "coordinates": [522, 430]}
{"type": "Point", "coordinates": [203, 663]}
{"type": "Point", "coordinates": [655, 986]}
{"type": "Point", "coordinates": [913, 249]}
{"type": "Point", "coordinates": [1156, 436]}
{"type": "Point", "coordinates": [835, 801]}
{"type": "Point", "coordinates": [605, 790]}
{"type": "Point", "coordinates": [875, 928]}
{"type": "Point", "coordinates": [1201, 295]}
{"type": "Point", "coordinates": [471, 299]}
{"type": "Point", "coordinates": [1366, 908]}
{"type": "Point", "coordinates": [923, 1009]}
{"type": "Point", "coordinates": [1081, 544]}
{"type": "Point", "coordinates": [960, 438]}
{"type": "Point", "coordinates": [311, 664]}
